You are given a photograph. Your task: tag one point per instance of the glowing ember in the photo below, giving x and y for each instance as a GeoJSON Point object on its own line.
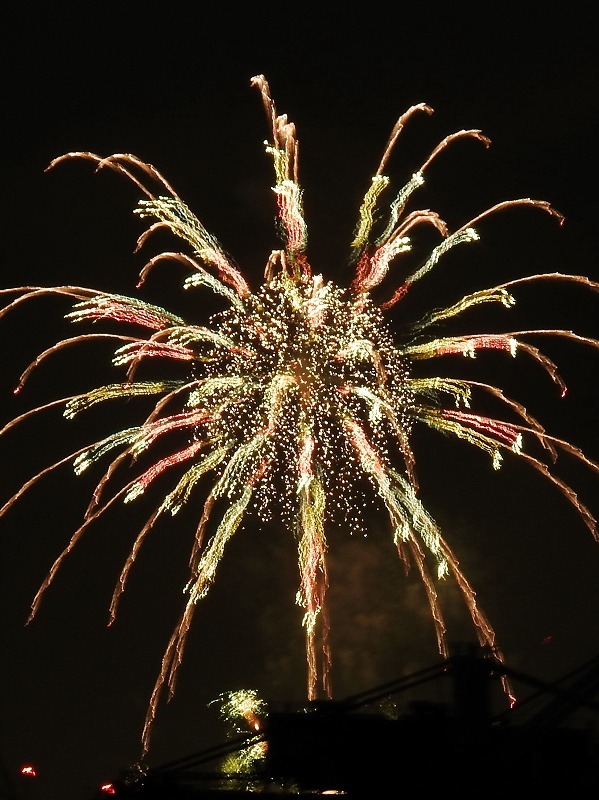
{"type": "Point", "coordinates": [29, 771]}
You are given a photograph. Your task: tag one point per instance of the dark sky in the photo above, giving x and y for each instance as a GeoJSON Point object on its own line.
{"type": "Point", "coordinates": [173, 87]}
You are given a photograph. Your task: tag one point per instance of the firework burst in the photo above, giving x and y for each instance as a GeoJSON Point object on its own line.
{"type": "Point", "coordinates": [296, 395]}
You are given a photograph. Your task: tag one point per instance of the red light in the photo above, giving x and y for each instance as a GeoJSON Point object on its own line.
{"type": "Point", "coordinates": [108, 788]}
{"type": "Point", "coordinates": [29, 770]}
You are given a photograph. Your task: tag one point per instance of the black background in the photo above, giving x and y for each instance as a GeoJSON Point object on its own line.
{"type": "Point", "coordinates": [172, 85]}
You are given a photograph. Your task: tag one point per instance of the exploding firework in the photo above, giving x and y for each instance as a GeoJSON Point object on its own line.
{"type": "Point", "coordinates": [295, 396]}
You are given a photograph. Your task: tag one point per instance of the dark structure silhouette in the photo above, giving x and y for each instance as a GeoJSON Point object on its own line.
{"type": "Point", "coordinates": [346, 748]}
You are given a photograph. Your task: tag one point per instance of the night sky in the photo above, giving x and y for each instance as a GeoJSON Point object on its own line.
{"type": "Point", "coordinates": [174, 89]}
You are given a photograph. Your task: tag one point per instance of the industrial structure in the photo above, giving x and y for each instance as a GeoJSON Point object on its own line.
{"type": "Point", "coordinates": [360, 749]}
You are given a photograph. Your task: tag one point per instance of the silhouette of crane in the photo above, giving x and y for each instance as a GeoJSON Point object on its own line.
{"type": "Point", "coordinates": [346, 748]}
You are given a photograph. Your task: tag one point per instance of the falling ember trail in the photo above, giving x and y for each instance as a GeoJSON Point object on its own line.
{"type": "Point", "coordinates": [296, 393]}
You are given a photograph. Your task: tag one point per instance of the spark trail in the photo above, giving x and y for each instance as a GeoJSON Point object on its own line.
{"type": "Point", "coordinates": [296, 394]}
